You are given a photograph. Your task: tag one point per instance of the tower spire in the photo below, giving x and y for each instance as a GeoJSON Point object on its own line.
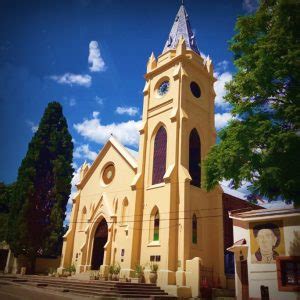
{"type": "Point", "coordinates": [181, 27]}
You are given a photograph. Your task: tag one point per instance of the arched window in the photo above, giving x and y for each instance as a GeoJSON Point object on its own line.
{"type": "Point", "coordinates": [124, 211]}
{"type": "Point", "coordinates": [156, 227]}
{"type": "Point", "coordinates": [195, 158]}
{"type": "Point", "coordinates": [83, 218]}
{"type": "Point", "coordinates": [159, 155]}
{"type": "Point", "coordinates": [194, 229]}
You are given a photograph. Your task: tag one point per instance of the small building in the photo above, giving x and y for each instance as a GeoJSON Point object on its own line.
{"type": "Point", "coordinates": [267, 253]}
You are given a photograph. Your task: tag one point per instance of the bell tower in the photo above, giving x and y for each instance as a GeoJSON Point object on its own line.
{"type": "Point", "coordinates": [177, 132]}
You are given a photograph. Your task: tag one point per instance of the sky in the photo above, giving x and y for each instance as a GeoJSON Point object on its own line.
{"type": "Point", "coordinates": [91, 55]}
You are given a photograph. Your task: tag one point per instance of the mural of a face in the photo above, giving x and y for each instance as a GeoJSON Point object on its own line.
{"type": "Point", "coordinates": [266, 240]}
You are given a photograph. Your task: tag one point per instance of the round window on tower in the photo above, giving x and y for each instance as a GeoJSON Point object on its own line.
{"type": "Point", "coordinates": [195, 89]}
{"type": "Point", "coordinates": [163, 88]}
{"type": "Point", "coordinates": [108, 174]}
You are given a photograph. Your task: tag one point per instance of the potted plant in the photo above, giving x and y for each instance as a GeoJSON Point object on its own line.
{"type": "Point", "coordinates": [72, 269]}
{"type": "Point", "coordinates": [110, 272]}
{"type": "Point", "coordinates": [153, 272]}
{"type": "Point", "coordinates": [139, 270]}
{"type": "Point", "coordinates": [66, 272]}
{"type": "Point", "coordinates": [117, 270]}
{"type": "Point", "coordinates": [50, 272]}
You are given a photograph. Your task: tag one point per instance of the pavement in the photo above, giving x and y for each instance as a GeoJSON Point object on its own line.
{"type": "Point", "coordinates": [11, 291]}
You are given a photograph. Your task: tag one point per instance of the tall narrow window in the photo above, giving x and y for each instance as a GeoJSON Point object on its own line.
{"type": "Point", "coordinates": [194, 229]}
{"type": "Point", "coordinates": [156, 227]}
{"type": "Point", "coordinates": [83, 218]}
{"type": "Point", "coordinates": [195, 158]}
{"type": "Point", "coordinates": [124, 211]}
{"type": "Point", "coordinates": [159, 156]}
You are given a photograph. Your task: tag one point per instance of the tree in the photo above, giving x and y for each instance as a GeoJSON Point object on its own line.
{"type": "Point", "coordinates": [5, 198]}
{"type": "Point", "coordinates": [261, 144]}
{"type": "Point", "coordinates": [42, 189]}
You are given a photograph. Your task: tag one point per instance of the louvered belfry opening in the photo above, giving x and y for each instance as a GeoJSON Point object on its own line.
{"type": "Point", "coordinates": [195, 158]}
{"type": "Point", "coordinates": [159, 156]}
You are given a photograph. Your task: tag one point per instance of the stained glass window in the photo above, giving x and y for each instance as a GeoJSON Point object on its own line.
{"type": "Point", "coordinates": [156, 227]}
{"type": "Point", "coordinates": [194, 230]}
{"type": "Point", "coordinates": [195, 158]}
{"type": "Point", "coordinates": [159, 156]}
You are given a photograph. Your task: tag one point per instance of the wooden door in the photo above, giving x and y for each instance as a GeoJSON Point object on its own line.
{"type": "Point", "coordinates": [244, 279]}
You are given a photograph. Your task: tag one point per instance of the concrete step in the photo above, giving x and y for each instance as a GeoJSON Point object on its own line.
{"type": "Point", "coordinates": [103, 290]}
{"type": "Point", "coordinates": [119, 287]}
{"type": "Point", "coordinates": [96, 288]}
{"type": "Point", "coordinates": [96, 282]}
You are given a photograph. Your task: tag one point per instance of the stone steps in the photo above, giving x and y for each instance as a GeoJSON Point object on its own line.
{"type": "Point", "coordinates": [106, 289]}
{"type": "Point", "coordinates": [102, 290]}
{"type": "Point", "coordinates": [98, 285]}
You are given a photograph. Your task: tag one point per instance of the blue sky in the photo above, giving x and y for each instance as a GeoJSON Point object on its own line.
{"type": "Point", "coordinates": [91, 55]}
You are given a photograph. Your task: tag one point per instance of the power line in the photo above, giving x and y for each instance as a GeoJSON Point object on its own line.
{"type": "Point", "coordinates": [176, 212]}
{"type": "Point", "coordinates": [135, 221]}
{"type": "Point", "coordinates": [123, 190]}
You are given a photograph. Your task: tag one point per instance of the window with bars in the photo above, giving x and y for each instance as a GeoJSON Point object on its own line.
{"type": "Point", "coordinates": [288, 273]}
{"type": "Point", "coordinates": [195, 158]}
{"type": "Point", "coordinates": [159, 156]}
{"type": "Point", "coordinates": [155, 258]}
{"type": "Point", "coordinates": [194, 229]}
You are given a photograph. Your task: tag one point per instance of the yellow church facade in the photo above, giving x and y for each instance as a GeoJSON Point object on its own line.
{"type": "Point", "coordinates": [134, 208]}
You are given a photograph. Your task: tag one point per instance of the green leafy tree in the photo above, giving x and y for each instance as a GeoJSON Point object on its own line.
{"type": "Point", "coordinates": [261, 145]}
{"type": "Point", "coordinates": [5, 198]}
{"type": "Point", "coordinates": [42, 189]}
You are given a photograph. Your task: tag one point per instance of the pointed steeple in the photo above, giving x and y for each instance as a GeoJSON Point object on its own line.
{"type": "Point", "coordinates": [181, 27]}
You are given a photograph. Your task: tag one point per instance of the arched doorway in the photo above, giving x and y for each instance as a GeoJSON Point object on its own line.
{"type": "Point", "coordinates": [100, 240]}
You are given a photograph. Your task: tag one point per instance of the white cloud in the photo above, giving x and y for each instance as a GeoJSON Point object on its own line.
{"type": "Point", "coordinates": [223, 65]}
{"type": "Point", "coordinates": [68, 215]}
{"type": "Point", "coordinates": [75, 180]}
{"type": "Point", "coordinates": [95, 114]}
{"type": "Point", "coordinates": [73, 79]}
{"type": "Point", "coordinates": [219, 87]}
{"type": "Point", "coordinates": [250, 5]}
{"type": "Point", "coordinates": [32, 126]}
{"type": "Point", "coordinates": [221, 120]}
{"type": "Point", "coordinates": [126, 132]}
{"type": "Point", "coordinates": [72, 102]}
{"type": "Point", "coordinates": [84, 151]}
{"type": "Point", "coordinates": [95, 60]}
{"type": "Point", "coordinates": [99, 100]}
{"type": "Point", "coordinates": [131, 111]}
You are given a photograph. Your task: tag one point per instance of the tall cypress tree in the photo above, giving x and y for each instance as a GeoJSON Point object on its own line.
{"type": "Point", "coordinates": [42, 189]}
{"type": "Point", "coordinates": [5, 197]}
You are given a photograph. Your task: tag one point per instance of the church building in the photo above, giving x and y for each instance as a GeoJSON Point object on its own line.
{"type": "Point", "coordinates": [133, 208]}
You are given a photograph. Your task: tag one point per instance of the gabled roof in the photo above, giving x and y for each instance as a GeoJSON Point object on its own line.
{"type": "Point", "coordinates": [123, 151]}
{"type": "Point", "coordinates": [181, 27]}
